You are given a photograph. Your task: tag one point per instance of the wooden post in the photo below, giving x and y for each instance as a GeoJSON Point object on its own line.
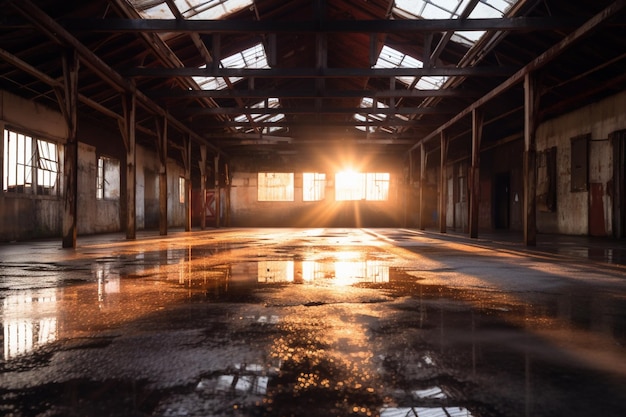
{"type": "Point", "coordinates": [128, 134]}
{"type": "Point", "coordinates": [68, 99]}
{"type": "Point", "coordinates": [477, 128]}
{"type": "Point", "coordinates": [443, 184]}
{"type": "Point", "coordinates": [531, 104]}
{"type": "Point", "coordinates": [202, 164]}
{"type": "Point", "coordinates": [162, 151]}
{"type": "Point", "coordinates": [422, 217]}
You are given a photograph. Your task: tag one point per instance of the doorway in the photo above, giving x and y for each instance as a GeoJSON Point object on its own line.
{"type": "Point", "coordinates": [502, 200]}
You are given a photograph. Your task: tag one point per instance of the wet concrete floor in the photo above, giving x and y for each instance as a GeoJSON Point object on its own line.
{"type": "Point", "coordinates": [308, 322]}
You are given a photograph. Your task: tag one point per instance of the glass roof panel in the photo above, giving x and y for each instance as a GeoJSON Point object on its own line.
{"type": "Point", "coordinates": [191, 9]}
{"type": "Point", "coordinates": [452, 9]}
{"type": "Point", "coordinates": [253, 57]}
{"type": "Point", "coordinates": [272, 103]}
{"type": "Point", "coordinates": [391, 58]}
{"type": "Point", "coordinates": [366, 103]}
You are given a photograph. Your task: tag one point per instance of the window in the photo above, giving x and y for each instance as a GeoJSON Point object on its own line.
{"type": "Point", "coordinates": [31, 166]}
{"type": "Point", "coordinates": [181, 190]}
{"type": "Point", "coordinates": [313, 186]}
{"type": "Point", "coordinates": [275, 186]}
{"type": "Point", "coordinates": [108, 179]}
{"type": "Point", "coordinates": [372, 186]}
{"type": "Point", "coordinates": [579, 167]}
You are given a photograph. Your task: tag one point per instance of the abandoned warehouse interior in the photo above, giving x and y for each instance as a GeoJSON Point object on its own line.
{"type": "Point", "coordinates": [468, 116]}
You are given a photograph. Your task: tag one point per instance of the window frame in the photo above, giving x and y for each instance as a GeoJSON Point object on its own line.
{"type": "Point", "coordinates": [38, 158]}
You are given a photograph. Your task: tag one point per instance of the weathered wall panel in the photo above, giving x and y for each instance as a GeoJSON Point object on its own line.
{"type": "Point", "coordinates": [572, 208]}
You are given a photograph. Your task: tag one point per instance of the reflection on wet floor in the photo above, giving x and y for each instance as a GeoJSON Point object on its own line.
{"type": "Point", "coordinates": [198, 330]}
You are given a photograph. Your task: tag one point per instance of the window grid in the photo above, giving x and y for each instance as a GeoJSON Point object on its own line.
{"type": "Point", "coordinates": [31, 165]}
{"type": "Point", "coordinates": [313, 186]}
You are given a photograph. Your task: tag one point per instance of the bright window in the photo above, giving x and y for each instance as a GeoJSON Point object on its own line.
{"type": "Point", "coordinates": [351, 186]}
{"type": "Point", "coordinates": [108, 179]}
{"type": "Point", "coordinates": [31, 166]}
{"type": "Point", "coordinates": [313, 186]}
{"type": "Point", "coordinates": [181, 190]}
{"type": "Point", "coordinates": [275, 186]}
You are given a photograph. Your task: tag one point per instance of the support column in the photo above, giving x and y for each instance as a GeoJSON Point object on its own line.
{"type": "Point", "coordinates": [68, 100]}
{"type": "Point", "coordinates": [443, 184]}
{"type": "Point", "coordinates": [477, 129]}
{"type": "Point", "coordinates": [202, 164]}
{"type": "Point", "coordinates": [187, 162]}
{"type": "Point", "coordinates": [227, 195]}
{"type": "Point", "coordinates": [127, 127]}
{"type": "Point", "coordinates": [422, 217]}
{"type": "Point", "coordinates": [162, 150]}
{"type": "Point", "coordinates": [218, 211]}
{"type": "Point", "coordinates": [531, 104]}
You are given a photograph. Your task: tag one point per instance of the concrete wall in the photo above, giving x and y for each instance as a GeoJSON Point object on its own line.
{"type": "Point", "coordinates": [36, 216]}
{"type": "Point", "coordinates": [572, 208]}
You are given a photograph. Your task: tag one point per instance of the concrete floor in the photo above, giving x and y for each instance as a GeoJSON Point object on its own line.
{"type": "Point", "coordinates": [313, 322]}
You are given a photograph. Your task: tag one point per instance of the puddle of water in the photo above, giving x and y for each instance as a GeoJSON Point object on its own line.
{"type": "Point", "coordinates": [295, 337]}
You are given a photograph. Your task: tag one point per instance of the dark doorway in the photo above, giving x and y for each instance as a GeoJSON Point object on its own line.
{"type": "Point", "coordinates": [618, 140]}
{"type": "Point", "coordinates": [502, 200]}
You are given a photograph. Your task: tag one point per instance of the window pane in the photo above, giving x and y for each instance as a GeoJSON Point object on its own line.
{"type": "Point", "coordinates": [275, 186]}
{"type": "Point", "coordinates": [313, 186]}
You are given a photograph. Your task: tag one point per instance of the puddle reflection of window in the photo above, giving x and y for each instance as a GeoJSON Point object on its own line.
{"type": "Point", "coordinates": [29, 321]}
{"type": "Point", "coordinates": [276, 271]}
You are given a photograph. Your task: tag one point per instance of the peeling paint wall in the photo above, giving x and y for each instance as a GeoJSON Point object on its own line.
{"type": "Point", "coordinates": [572, 214]}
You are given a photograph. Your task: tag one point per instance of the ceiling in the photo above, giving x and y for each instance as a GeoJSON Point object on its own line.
{"type": "Point", "coordinates": [289, 77]}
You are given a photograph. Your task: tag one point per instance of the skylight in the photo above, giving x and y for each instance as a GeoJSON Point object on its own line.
{"type": "Point", "coordinates": [368, 103]}
{"type": "Point", "coordinates": [452, 9]}
{"type": "Point", "coordinates": [253, 57]}
{"type": "Point", "coordinates": [272, 103]}
{"type": "Point", "coordinates": [391, 58]}
{"type": "Point", "coordinates": [191, 9]}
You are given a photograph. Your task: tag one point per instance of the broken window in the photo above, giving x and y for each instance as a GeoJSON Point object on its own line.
{"type": "Point", "coordinates": [108, 179]}
{"type": "Point", "coordinates": [353, 186]}
{"type": "Point", "coordinates": [313, 186]}
{"type": "Point", "coordinates": [31, 166]}
{"type": "Point", "coordinates": [275, 186]}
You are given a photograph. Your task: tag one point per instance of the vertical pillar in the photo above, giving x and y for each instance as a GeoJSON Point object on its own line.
{"type": "Point", "coordinates": [477, 128]}
{"type": "Point", "coordinates": [422, 209]}
{"type": "Point", "coordinates": [227, 195]}
{"type": "Point", "coordinates": [202, 164]}
{"type": "Point", "coordinates": [187, 158]}
{"type": "Point", "coordinates": [531, 99]}
{"type": "Point", "coordinates": [162, 150]}
{"type": "Point", "coordinates": [218, 211]}
{"type": "Point", "coordinates": [128, 134]}
{"type": "Point", "coordinates": [443, 184]}
{"type": "Point", "coordinates": [68, 100]}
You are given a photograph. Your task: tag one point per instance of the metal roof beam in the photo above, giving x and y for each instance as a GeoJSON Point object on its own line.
{"type": "Point", "coordinates": [320, 72]}
{"type": "Point", "coordinates": [316, 26]}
